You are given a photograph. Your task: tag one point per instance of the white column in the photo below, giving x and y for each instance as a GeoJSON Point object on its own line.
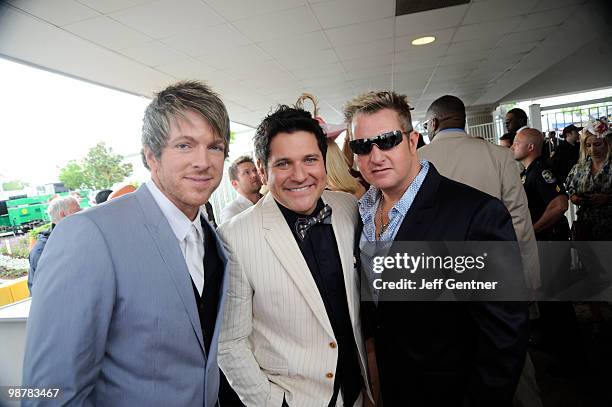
{"type": "Point", "coordinates": [498, 115]}
{"type": "Point", "coordinates": [535, 117]}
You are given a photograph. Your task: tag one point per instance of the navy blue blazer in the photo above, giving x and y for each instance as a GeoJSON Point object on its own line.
{"type": "Point", "coordinates": [450, 353]}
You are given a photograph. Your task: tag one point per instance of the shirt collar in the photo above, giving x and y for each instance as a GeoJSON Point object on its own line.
{"type": "Point", "coordinates": [451, 129]}
{"type": "Point", "coordinates": [243, 199]}
{"type": "Point", "coordinates": [534, 164]}
{"type": "Point", "coordinates": [180, 224]}
{"type": "Point", "coordinates": [372, 196]}
{"type": "Point", "coordinates": [442, 134]}
{"type": "Point", "coordinates": [368, 204]}
{"type": "Point", "coordinates": [291, 217]}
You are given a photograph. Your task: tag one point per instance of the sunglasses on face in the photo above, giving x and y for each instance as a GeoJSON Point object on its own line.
{"type": "Point", "coordinates": [384, 141]}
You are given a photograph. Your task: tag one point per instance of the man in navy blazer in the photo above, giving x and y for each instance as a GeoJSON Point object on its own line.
{"type": "Point", "coordinates": [129, 294]}
{"type": "Point", "coordinates": [432, 353]}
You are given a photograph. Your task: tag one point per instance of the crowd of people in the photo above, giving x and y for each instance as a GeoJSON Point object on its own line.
{"type": "Point", "coordinates": [143, 300]}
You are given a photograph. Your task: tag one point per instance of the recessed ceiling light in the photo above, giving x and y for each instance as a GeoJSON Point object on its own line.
{"type": "Point", "coordinates": [423, 40]}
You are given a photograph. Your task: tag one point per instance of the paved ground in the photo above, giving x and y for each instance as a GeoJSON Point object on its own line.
{"type": "Point", "coordinates": [589, 385]}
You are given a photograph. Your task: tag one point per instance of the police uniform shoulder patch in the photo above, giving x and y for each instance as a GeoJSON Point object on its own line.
{"type": "Point", "coordinates": [548, 177]}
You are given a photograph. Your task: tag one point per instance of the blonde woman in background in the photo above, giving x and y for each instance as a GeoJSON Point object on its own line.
{"type": "Point", "coordinates": [589, 183]}
{"type": "Point", "coordinates": [338, 176]}
{"type": "Point", "coordinates": [338, 166]}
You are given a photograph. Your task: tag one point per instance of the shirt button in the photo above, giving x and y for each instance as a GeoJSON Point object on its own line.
{"type": "Point", "coordinates": [329, 375]}
{"type": "Point", "coordinates": [333, 345]}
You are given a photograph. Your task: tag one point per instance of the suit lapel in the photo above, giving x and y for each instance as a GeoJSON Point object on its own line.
{"type": "Point", "coordinates": [224, 280]}
{"type": "Point", "coordinates": [170, 252]}
{"type": "Point", "coordinates": [285, 248]}
{"type": "Point", "coordinates": [344, 239]}
{"type": "Point", "coordinates": [422, 211]}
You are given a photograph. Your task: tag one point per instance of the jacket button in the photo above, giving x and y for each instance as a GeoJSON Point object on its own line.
{"type": "Point", "coordinates": [329, 375]}
{"type": "Point", "coordinates": [333, 345]}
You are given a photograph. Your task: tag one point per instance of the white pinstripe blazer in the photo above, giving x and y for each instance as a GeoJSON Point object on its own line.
{"type": "Point", "coordinates": [276, 339]}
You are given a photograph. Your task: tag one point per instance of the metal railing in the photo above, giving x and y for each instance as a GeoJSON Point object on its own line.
{"type": "Point", "coordinates": [486, 131]}
{"type": "Point", "coordinates": [557, 120]}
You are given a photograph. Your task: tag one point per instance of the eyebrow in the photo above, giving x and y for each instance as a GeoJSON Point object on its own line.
{"type": "Point", "coordinates": [302, 158]}
{"type": "Point", "coordinates": [186, 137]}
{"type": "Point", "coordinates": [183, 137]}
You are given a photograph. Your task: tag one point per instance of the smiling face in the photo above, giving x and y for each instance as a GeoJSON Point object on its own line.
{"type": "Point", "coordinates": [391, 170]}
{"type": "Point", "coordinates": [190, 166]}
{"type": "Point", "coordinates": [295, 173]}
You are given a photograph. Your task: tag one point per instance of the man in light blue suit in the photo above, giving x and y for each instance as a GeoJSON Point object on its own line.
{"type": "Point", "coordinates": [127, 309]}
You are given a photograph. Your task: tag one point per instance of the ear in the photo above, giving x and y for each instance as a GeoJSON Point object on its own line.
{"type": "Point", "coordinates": [261, 172]}
{"type": "Point", "coordinates": [234, 183]}
{"type": "Point", "coordinates": [150, 158]}
{"type": "Point", "coordinates": [434, 124]}
{"type": "Point", "coordinates": [413, 140]}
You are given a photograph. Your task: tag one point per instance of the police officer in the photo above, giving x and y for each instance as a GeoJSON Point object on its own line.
{"type": "Point", "coordinates": [545, 193]}
{"type": "Point", "coordinates": [547, 203]}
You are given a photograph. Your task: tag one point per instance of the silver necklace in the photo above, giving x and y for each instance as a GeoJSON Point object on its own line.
{"type": "Point", "coordinates": [383, 226]}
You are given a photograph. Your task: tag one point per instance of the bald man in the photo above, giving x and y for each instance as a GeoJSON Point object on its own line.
{"type": "Point", "coordinates": [547, 205]}
{"type": "Point", "coordinates": [545, 194]}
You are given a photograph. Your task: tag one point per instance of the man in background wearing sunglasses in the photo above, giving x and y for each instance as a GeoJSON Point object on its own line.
{"type": "Point", "coordinates": [434, 353]}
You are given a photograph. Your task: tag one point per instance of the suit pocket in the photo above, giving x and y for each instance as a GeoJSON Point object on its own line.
{"type": "Point", "coordinates": [277, 396]}
{"type": "Point", "coordinates": [271, 363]}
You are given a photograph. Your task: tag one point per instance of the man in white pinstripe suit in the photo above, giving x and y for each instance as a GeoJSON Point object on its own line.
{"type": "Point", "coordinates": [291, 332]}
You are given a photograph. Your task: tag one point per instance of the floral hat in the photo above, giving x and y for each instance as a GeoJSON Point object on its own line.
{"type": "Point", "coordinates": [599, 127]}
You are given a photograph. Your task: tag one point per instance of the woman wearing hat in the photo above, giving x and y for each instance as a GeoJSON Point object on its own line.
{"type": "Point", "coordinates": [589, 183]}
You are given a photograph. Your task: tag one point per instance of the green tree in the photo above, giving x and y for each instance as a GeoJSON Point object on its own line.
{"type": "Point", "coordinates": [100, 169]}
{"type": "Point", "coordinates": [103, 168]}
{"type": "Point", "coordinates": [73, 176]}
{"type": "Point", "coordinates": [14, 185]}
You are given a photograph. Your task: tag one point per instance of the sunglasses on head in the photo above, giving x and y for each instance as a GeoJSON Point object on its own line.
{"type": "Point", "coordinates": [384, 141]}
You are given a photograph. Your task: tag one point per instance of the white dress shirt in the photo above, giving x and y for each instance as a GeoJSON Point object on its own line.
{"type": "Point", "coordinates": [182, 227]}
{"type": "Point", "coordinates": [238, 205]}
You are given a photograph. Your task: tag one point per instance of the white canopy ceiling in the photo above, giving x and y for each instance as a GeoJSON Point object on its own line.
{"type": "Point", "coordinates": [259, 53]}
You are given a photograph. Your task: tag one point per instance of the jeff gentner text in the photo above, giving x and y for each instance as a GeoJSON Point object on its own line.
{"type": "Point", "coordinates": [435, 284]}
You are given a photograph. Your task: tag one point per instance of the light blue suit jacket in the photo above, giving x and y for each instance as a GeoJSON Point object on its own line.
{"type": "Point", "coordinates": [114, 320]}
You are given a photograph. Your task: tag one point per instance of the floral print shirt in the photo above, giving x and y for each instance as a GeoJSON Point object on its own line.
{"type": "Point", "coordinates": [598, 220]}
